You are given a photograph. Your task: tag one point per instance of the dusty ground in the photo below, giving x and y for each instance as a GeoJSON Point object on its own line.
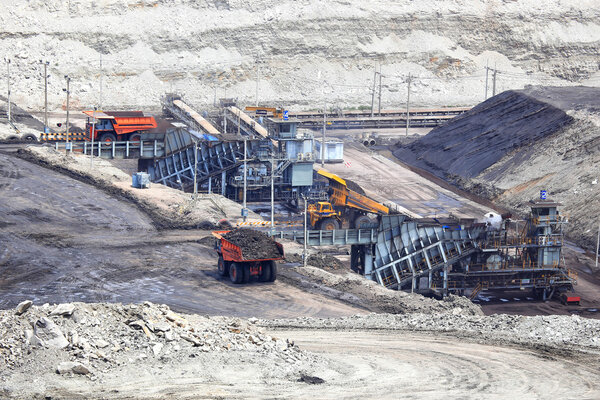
{"type": "Point", "coordinates": [385, 180]}
{"type": "Point", "coordinates": [146, 351]}
{"type": "Point", "coordinates": [169, 208]}
{"type": "Point", "coordinates": [80, 244]}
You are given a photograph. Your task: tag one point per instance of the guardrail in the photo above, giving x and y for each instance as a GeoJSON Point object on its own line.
{"type": "Point", "coordinates": [129, 149]}
{"type": "Point", "coordinates": [330, 238]}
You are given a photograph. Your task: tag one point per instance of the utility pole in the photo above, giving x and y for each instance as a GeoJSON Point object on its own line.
{"type": "Point", "coordinates": [225, 120]}
{"type": "Point", "coordinates": [45, 63]}
{"type": "Point", "coordinates": [245, 212]}
{"type": "Point", "coordinates": [380, 75]}
{"type": "Point", "coordinates": [323, 136]}
{"type": "Point", "coordinates": [408, 104]}
{"type": "Point", "coordinates": [68, 90]}
{"type": "Point", "coordinates": [257, 80]}
{"type": "Point", "coordinates": [195, 169]}
{"type": "Point", "coordinates": [8, 86]}
{"type": "Point", "coordinates": [272, 193]}
{"type": "Point", "coordinates": [487, 70]}
{"type": "Point", "coordinates": [494, 81]}
{"type": "Point", "coordinates": [101, 73]}
{"type": "Point", "coordinates": [305, 249]}
{"type": "Point", "coordinates": [373, 93]}
{"type": "Point", "coordinates": [92, 138]}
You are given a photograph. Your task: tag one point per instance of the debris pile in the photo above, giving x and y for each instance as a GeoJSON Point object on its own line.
{"type": "Point", "coordinates": [85, 339]}
{"type": "Point", "coordinates": [554, 331]}
{"type": "Point", "coordinates": [255, 244]}
{"type": "Point", "coordinates": [326, 262]}
{"type": "Point", "coordinates": [355, 289]}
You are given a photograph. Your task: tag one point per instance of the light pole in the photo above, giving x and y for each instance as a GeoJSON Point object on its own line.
{"type": "Point", "coordinates": [305, 250]}
{"type": "Point", "coordinates": [323, 136]}
{"type": "Point", "coordinates": [195, 169]}
{"type": "Point", "coordinates": [245, 176]}
{"type": "Point", "coordinates": [92, 139]}
{"type": "Point", "coordinates": [68, 91]}
{"type": "Point", "coordinates": [45, 63]}
{"type": "Point", "coordinates": [272, 193]}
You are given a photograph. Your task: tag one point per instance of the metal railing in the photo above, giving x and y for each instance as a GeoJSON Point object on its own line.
{"type": "Point", "coordinates": [128, 149]}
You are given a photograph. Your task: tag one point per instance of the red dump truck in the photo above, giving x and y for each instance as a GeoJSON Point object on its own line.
{"type": "Point", "coordinates": [255, 258]}
{"type": "Point", "coordinates": [119, 126]}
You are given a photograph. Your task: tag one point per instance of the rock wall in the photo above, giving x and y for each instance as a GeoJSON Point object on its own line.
{"type": "Point", "coordinates": [308, 51]}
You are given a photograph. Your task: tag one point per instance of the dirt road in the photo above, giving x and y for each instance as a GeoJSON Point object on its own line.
{"type": "Point", "coordinates": [386, 180]}
{"type": "Point", "coordinates": [358, 364]}
{"type": "Point", "coordinates": [63, 240]}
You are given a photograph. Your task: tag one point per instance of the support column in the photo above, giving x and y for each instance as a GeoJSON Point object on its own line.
{"type": "Point", "coordinates": [223, 183]}
{"type": "Point", "coordinates": [368, 260]}
{"type": "Point", "coordinates": [209, 185]}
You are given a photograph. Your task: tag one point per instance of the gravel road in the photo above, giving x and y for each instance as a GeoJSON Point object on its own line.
{"type": "Point", "coordinates": [64, 240]}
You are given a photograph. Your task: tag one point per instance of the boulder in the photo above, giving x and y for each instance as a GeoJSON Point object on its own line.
{"type": "Point", "coordinates": [63, 309]}
{"type": "Point", "coordinates": [23, 306]}
{"type": "Point", "coordinates": [49, 334]}
{"type": "Point", "coordinates": [74, 367]}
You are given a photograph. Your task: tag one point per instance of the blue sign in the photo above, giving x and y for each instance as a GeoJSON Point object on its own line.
{"type": "Point", "coordinates": [543, 194]}
{"type": "Point", "coordinates": [286, 115]}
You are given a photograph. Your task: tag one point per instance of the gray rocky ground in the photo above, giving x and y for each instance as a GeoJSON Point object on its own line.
{"type": "Point", "coordinates": [308, 51]}
{"type": "Point", "coordinates": [518, 143]}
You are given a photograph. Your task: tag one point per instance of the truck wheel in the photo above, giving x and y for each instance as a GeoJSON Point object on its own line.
{"type": "Point", "coordinates": [108, 138]}
{"type": "Point", "coordinates": [135, 139]}
{"type": "Point", "coordinates": [222, 267]}
{"type": "Point", "coordinates": [246, 272]}
{"type": "Point", "coordinates": [273, 271]}
{"type": "Point", "coordinates": [330, 224]}
{"type": "Point", "coordinates": [361, 221]}
{"type": "Point", "coordinates": [236, 273]}
{"type": "Point", "coordinates": [30, 137]}
{"type": "Point", "coordinates": [265, 274]}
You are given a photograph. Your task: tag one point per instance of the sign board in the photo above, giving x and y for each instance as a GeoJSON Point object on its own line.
{"type": "Point", "coordinates": [244, 212]}
{"type": "Point", "coordinates": [543, 194]}
{"type": "Point", "coordinates": [286, 115]}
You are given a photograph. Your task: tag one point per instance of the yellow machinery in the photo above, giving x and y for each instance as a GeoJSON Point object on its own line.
{"type": "Point", "coordinates": [267, 111]}
{"type": "Point", "coordinates": [345, 207]}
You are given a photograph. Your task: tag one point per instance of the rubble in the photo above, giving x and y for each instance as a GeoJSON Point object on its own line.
{"type": "Point", "coordinates": [104, 337]}
{"type": "Point", "coordinates": [549, 331]}
{"type": "Point", "coordinates": [23, 307]}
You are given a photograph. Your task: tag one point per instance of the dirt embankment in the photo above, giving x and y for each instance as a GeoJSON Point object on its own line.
{"type": "Point", "coordinates": [169, 208]}
{"type": "Point", "coordinates": [515, 144]}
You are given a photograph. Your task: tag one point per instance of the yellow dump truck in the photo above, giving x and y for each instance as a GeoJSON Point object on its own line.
{"type": "Point", "coordinates": [346, 207]}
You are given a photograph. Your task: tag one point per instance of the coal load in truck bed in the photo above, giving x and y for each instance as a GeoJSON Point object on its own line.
{"type": "Point", "coordinates": [255, 245]}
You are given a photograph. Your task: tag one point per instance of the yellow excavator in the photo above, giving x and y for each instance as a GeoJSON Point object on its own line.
{"type": "Point", "coordinates": [345, 208]}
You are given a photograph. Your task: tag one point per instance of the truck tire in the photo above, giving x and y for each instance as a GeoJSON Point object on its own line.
{"type": "Point", "coordinates": [360, 221]}
{"type": "Point", "coordinates": [30, 137]}
{"type": "Point", "coordinates": [108, 138]}
{"type": "Point", "coordinates": [265, 274]}
{"type": "Point", "coordinates": [246, 272]}
{"type": "Point", "coordinates": [135, 138]}
{"type": "Point", "coordinates": [236, 273]}
{"type": "Point", "coordinates": [329, 224]}
{"type": "Point", "coordinates": [222, 267]}
{"type": "Point", "coordinates": [273, 271]}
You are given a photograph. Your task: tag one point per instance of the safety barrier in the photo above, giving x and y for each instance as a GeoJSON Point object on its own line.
{"type": "Point", "coordinates": [62, 136]}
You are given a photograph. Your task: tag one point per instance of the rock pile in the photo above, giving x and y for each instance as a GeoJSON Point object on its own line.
{"type": "Point", "coordinates": [83, 338]}
{"type": "Point", "coordinates": [255, 244]}
{"type": "Point", "coordinates": [554, 331]}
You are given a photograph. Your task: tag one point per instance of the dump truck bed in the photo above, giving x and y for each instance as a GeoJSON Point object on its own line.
{"type": "Point", "coordinates": [232, 252]}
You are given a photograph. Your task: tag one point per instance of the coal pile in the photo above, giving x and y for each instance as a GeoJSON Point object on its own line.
{"type": "Point", "coordinates": [255, 245]}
